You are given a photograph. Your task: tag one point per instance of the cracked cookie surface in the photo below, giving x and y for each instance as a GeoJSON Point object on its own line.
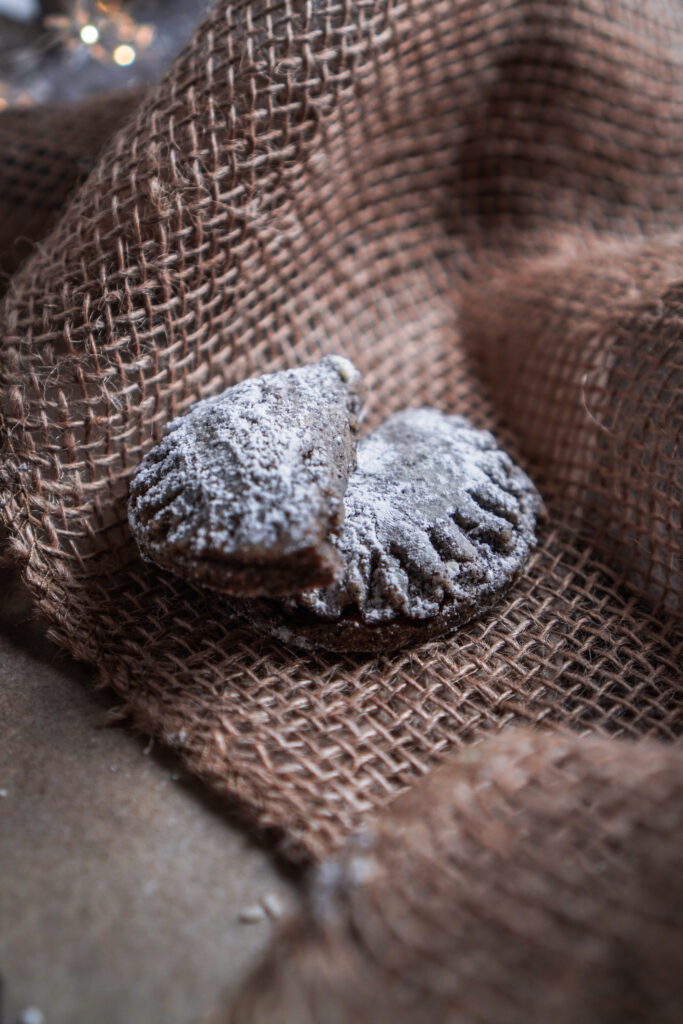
{"type": "Point", "coordinates": [439, 522]}
{"type": "Point", "coordinates": [243, 492]}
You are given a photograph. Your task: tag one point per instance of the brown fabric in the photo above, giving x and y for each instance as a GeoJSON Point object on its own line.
{"type": "Point", "coordinates": [606, 428]}
{"type": "Point", "coordinates": [44, 153]}
{"type": "Point", "coordinates": [479, 203]}
{"type": "Point", "coordinates": [533, 878]}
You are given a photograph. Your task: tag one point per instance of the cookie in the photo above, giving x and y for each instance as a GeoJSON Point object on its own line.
{"type": "Point", "coordinates": [244, 491]}
{"type": "Point", "coordinates": [439, 523]}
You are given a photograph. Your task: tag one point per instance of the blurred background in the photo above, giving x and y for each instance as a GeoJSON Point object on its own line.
{"type": "Point", "coordinates": [61, 50]}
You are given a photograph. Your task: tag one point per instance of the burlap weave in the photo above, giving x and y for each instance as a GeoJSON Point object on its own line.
{"type": "Point", "coordinates": [479, 201]}
{"type": "Point", "coordinates": [533, 878]}
{"type": "Point", "coordinates": [44, 153]}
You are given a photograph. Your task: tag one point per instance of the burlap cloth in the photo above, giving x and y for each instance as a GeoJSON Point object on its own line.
{"type": "Point", "coordinates": [479, 201]}
{"type": "Point", "coordinates": [533, 877]}
{"type": "Point", "coordinates": [44, 153]}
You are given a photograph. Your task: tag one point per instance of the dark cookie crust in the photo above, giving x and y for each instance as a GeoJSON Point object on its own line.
{"type": "Point", "coordinates": [243, 492]}
{"type": "Point", "coordinates": [439, 524]}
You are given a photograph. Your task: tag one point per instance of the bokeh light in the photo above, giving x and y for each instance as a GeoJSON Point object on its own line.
{"type": "Point", "coordinates": [124, 55]}
{"type": "Point", "coordinates": [89, 34]}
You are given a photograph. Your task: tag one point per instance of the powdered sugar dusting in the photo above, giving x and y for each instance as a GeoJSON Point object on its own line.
{"type": "Point", "coordinates": [244, 490]}
{"type": "Point", "coordinates": [436, 516]}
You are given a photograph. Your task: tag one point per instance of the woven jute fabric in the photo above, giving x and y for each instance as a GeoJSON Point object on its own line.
{"type": "Point", "coordinates": [479, 202]}
{"type": "Point", "coordinates": [45, 152]}
{"type": "Point", "coordinates": [530, 878]}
